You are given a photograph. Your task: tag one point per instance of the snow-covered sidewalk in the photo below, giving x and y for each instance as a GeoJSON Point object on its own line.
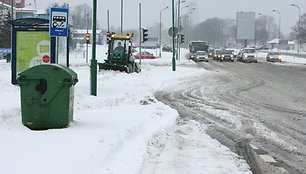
{"type": "Point", "coordinates": [124, 129]}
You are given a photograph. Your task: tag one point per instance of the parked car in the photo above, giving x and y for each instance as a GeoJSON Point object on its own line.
{"type": "Point", "coordinates": [273, 57]}
{"type": "Point", "coordinates": [247, 55]}
{"type": "Point", "coordinates": [226, 55]}
{"type": "Point", "coordinates": [144, 55]}
{"type": "Point", "coordinates": [201, 56]}
{"type": "Point", "coordinates": [167, 48]}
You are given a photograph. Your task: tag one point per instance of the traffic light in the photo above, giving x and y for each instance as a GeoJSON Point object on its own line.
{"type": "Point", "coordinates": [144, 35]}
{"type": "Point", "coordinates": [87, 38]}
{"type": "Point", "coordinates": [182, 38]}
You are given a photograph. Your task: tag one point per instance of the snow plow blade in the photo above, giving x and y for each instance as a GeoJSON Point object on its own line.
{"type": "Point", "coordinates": [114, 67]}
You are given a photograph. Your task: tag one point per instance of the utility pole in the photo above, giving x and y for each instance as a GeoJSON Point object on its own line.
{"type": "Point", "coordinates": [12, 10]}
{"type": "Point", "coordinates": [93, 67]}
{"type": "Point", "coordinates": [86, 41]}
{"type": "Point", "coordinates": [35, 8]}
{"type": "Point", "coordinates": [160, 30]}
{"type": "Point", "coordinates": [12, 18]}
{"type": "Point", "coordinates": [173, 37]}
{"type": "Point", "coordinates": [108, 20]}
{"type": "Point", "coordinates": [299, 24]}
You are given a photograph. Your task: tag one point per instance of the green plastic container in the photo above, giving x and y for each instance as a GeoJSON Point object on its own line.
{"type": "Point", "coordinates": [47, 96]}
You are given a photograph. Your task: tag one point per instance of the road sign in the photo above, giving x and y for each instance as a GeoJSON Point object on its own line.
{"type": "Point", "coordinates": [59, 22]}
{"type": "Point", "coordinates": [175, 31]}
{"type": "Point", "coordinates": [180, 28]}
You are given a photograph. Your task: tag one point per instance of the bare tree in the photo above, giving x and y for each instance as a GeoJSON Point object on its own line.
{"type": "Point", "coordinates": [299, 30]}
{"type": "Point", "coordinates": [5, 31]}
{"type": "Point", "coordinates": [79, 16]}
{"type": "Point", "coordinates": [261, 30]}
{"type": "Point", "coordinates": [212, 30]}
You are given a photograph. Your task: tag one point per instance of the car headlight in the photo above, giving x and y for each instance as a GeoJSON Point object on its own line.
{"type": "Point", "coordinates": [245, 56]}
{"type": "Point", "coordinates": [232, 56]}
{"type": "Point", "coordinates": [222, 55]}
{"type": "Point", "coordinates": [255, 56]}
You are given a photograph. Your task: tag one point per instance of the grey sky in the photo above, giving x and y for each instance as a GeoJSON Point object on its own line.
{"type": "Point", "coordinates": [205, 9]}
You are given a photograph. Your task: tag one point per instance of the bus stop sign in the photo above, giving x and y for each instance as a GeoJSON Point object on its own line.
{"type": "Point", "coordinates": [59, 22]}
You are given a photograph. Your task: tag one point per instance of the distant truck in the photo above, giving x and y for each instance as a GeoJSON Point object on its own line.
{"type": "Point", "coordinates": [195, 46]}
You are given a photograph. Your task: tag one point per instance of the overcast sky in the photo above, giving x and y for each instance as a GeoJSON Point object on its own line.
{"type": "Point", "coordinates": [205, 9]}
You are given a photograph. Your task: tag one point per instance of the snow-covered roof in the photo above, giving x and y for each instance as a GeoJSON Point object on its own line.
{"type": "Point", "coordinates": [8, 6]}
{"type": "Point", "coordinates": [290, 42]}
{"type": "Point", "coordinates": [81, 31]}
{"type": "Point", "coordinates": [274, 41]}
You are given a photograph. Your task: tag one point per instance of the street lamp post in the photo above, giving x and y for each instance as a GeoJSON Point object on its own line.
{"type": "Point", "coordinates": [35, 8]}
{"type": "Point", "coordinates": [279, 22]}
{"type": "Point", "coordinates": [180, 32]}
{"type": "Point", "coordinates": [160, 30]}
{"type": "Point", "coordinates": [299, 23]}
{"type": "Point", "coordinates": [187, 22]}
{"type": "Point", "coordinates": [178, 27]}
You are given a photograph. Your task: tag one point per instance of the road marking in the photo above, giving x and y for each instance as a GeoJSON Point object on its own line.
{"type": "Point", "coordinates": [267, 158]}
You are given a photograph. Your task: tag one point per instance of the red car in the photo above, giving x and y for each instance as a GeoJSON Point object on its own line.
{"type": "Point", "coordinates": [145, 55]}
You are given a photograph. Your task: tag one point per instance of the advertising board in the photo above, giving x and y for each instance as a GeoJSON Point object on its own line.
{"type": "Point", "coordinates": [33, 48]}
{"type": "Point", "coordinates": [245, 25]}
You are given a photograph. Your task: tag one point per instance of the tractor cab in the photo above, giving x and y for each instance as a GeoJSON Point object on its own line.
{"type": "Point", "coordinates": [119, 54]}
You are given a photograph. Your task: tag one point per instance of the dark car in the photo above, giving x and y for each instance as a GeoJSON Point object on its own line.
{"type": "Point", "coordinates": [167, 48]}
{"type": "Point", "coordinates": [145, 55]}
{"type": "Point", "coordinates": [217, 55]}
{"type": "Point", "coordinates": [211, 52]}
{"type": "Point", "coordinates": [226, 55]}
{"type": "Point", "coordinates": [273, 57]}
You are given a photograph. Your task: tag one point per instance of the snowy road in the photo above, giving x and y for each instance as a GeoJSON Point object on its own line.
{"type": "Point", "coordinates": [257, 110]}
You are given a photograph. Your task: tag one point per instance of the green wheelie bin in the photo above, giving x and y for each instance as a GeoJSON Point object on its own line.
{"type": "Point", "coordinates": [47, 96]}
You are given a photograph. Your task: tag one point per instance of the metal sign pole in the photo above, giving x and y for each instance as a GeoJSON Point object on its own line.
{"type": "Point", "coordinates": [139, 33]}
{"type": "Point", "coordinates": [173, 38]}
{"type": "Point", "coordinates": [86, 41]}
{"type": "Point", "coordinates": [93, 67]}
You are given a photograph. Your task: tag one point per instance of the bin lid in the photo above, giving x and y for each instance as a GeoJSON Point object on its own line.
{"type": "Point", "coordinates": [55, 76]}
{"type": "Point", "coordinates": [50, 72]}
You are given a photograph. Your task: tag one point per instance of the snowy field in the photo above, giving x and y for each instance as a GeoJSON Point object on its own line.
{"type": "Point", "coordinates": [119, 131]}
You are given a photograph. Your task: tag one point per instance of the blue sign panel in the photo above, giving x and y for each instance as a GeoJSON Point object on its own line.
{"type": "Point", "coordinates": [59, 22]}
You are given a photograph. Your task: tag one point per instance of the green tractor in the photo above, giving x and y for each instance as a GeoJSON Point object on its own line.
{"type": "Point", "coordinates": [119, 54]}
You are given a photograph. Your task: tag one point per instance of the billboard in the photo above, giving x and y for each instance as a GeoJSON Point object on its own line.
{"type": "Point", "coordinates": [245, 25]}
{"type": "Point", "coordinates": [17, 3]}
{"type": "Point", "coordinates": [32, 48]}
